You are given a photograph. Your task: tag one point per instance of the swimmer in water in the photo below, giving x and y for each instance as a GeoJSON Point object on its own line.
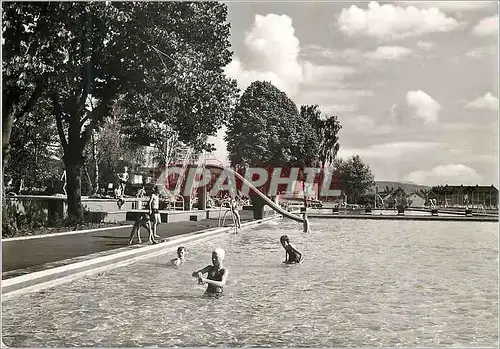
{"type": "Point", "coordinates": [306, 225]}
{"type": "Point", "coordinates": [181, 252]}
{"type": "Point", "coordinates": [217, 274]}
{"type": "Point", "coordinates": [292, 255]}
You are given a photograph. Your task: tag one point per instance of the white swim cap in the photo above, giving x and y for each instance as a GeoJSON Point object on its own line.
{"type": "Point", "coordinates": [220, 252]}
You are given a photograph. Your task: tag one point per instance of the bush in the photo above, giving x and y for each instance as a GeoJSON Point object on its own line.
{"type": "Point", "coordinates": [16, 218]}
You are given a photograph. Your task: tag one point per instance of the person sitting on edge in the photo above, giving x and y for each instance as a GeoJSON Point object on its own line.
{"type": "Point", "coordinates": [142, 221]}
{"type": "Point", "coordinates": [217, 274]}
{"type": "Point", "coordinates": [305, 223]}
{"type": "Point", "coordinates": [154, 205]}
{"type": "Point", "coordinates": [181, 252]}
{"type": "Point", "coordinates": [292, 255]}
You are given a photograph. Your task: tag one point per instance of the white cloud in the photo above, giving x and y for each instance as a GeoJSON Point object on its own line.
{"type": "Point", "coordinates": [425, 45]}
{"type": "Point", "coordinates": [274, 51]}
{"type": "Point", "coordinates": [335, 94]}
{"type": "Point", "coordinates": [451, 5]}
{"type": "Point", "coordinates": [362, 124]}
{"type": "Point", "coordinates": [386, 151]}
{"type": "Point", "coordinates": [452, 174]}
{"type": "Point", "coordinates": [336, 108]}
{"type": "Point", "coordinates": [486, 26]}
{"type": "Point", "coordinates": [348, 54]}
{"type": "Point", "coordinates": [334, 100]}
{"type": "Point", "coordinates": [331, 74]}
{"type": "Point", "coordinates": [390, 53]}
{"type": "Point", "coordinates": [424, 105]}
{"type": "Point", "coordinates": [483, 51]}
{"type": "Point", "coordinates": [486, 102]}
{"type": "Point", "coordinates": [392, 22]}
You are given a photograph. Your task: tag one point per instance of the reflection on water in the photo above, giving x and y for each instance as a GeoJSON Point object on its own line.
{"type": "Point", "coordinates": [363, 283]}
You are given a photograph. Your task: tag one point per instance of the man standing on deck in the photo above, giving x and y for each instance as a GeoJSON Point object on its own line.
{"type": "Point", "coordinates": [154, 210]}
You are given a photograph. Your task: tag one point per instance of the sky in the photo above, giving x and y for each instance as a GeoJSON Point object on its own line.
{"type": "Point", "coordinates": [414, 84]}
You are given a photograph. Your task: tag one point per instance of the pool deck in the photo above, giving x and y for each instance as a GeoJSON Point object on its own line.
{"type": "Point", "coordinates": [405, 217]}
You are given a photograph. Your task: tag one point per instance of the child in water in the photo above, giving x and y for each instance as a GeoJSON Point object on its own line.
{"type": "Point", "coordinates": [292, 255]}
{"type": "Point", "coordinates": [217, 274]}
{"type": "Point", "coordinates": [181, 252]}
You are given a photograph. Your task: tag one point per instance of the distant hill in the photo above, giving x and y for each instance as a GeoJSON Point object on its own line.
{"type": "Point", "coordinates": [406, 186]}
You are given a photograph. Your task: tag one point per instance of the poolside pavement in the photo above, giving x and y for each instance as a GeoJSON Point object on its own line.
{"type": "Point", "coordinates": [24, 255]}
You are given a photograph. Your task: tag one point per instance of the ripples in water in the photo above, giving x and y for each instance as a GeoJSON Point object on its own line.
{"type": "Point", "coordinates": [363, 283]}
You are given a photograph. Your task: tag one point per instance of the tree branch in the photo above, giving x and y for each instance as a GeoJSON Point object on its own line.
{"type": "Point", "coordinates": [86, 69]}
{"type": "Point", "coordinates": [40, 86]}
{"type": "Point", "coordinates": [60, 129]}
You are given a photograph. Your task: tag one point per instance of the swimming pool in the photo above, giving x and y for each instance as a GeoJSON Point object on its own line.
{"type": "Point", "coordinates": [363, 283]}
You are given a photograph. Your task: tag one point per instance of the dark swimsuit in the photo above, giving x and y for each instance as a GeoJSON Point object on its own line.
{"type": "Point", "coordinates": [215, 276]}
{"type": "Point", "coordinates": [293, 257]}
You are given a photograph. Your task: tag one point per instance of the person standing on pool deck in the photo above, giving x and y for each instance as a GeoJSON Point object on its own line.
{"type": "Point", "coordinates": [292, 255]}
{"type": "Point", "coordinates": [142, 222]}
{"type": "Point", "coordinates": [236, 215]}
{"type": "Point", "coordinates": [305, 223]}
{"type": "Point", "coordinates": [154, 212]}
{"type": "Point", "coordinates": [217, 273]}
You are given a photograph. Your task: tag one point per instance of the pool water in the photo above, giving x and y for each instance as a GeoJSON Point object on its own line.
{"type": "Point", "coordinates": [363, 283]}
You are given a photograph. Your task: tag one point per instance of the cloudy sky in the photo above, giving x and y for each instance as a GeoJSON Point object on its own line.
{"type": "Point", "coordinates": [415, 84]}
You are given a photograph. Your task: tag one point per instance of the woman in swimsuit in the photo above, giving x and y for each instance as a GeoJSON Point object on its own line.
{"type": "Point", "coordinates": [292, 255]}
{"type": "Point", "coordinates": [217, 274]}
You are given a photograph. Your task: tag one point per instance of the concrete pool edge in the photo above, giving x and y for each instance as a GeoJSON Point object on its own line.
{"type": "Point", "coordinates": [39, 280]}
{"type": "Point", "coordinates": [72, 232]}
{"type": "Point", "coordinates": [405, 217]}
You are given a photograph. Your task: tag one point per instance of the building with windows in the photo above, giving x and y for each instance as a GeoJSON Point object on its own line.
{"type": "Point", "coordinates": [462, 195]}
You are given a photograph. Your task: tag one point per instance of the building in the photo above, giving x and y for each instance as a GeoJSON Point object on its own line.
{"type": "Point", "coordinates": [462, 195]}
{"type": "Point", "coordinates": [416, 200]}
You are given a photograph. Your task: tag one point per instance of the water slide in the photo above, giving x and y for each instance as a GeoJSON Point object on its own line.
{"type": "Point", "coordinates": [270, 202]}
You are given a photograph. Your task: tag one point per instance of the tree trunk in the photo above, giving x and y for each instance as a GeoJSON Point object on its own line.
{"type": "Point", "coordinates": [258, 206]}
{"type": "Point", "coordinates": [89, 180]}
{"type": "Point", "coordinates": [74, 188]}
{"type": "Point", "coordinates": [96, 165]}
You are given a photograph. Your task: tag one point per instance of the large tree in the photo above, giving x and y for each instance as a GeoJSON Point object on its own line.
{"type": "Point", "coordinates": [74, 53]}
{"type": "Point", "coordinates": [267, 129]}
{"type": "Point", "coordinates": [355, 177]}
{"type": "Point", "coordinates": [326, 129]}
{"type": "Point", "coordinates": [184, 96]}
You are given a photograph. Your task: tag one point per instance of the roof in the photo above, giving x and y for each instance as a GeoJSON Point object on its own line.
{"type": "Point", "coordinates": [464, 188]}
